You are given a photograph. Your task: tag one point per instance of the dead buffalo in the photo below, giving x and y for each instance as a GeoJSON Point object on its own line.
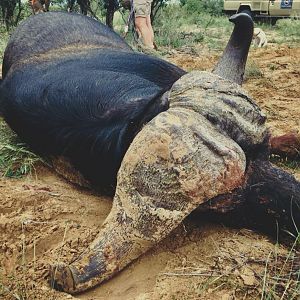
{"type": "Point", "coordinates": [163, 141]}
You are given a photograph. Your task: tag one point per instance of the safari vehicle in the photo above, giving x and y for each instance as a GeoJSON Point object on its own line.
{"type": "Point", "coordinates": [273, 9]}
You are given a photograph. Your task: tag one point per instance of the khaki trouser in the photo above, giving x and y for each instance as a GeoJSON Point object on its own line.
{"type": "Point", "coordinates": [142, 8]}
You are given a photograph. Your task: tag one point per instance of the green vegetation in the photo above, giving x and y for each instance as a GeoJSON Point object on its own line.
{"type": "Point", "coordinates": [211, 7]}
{"type": "Point", "coordinates": [252, 70]}
{"type": "Point", "coordinates": [281, 278]}
{"type": "Point", "coordinates": [286, 163]}
{"type": "Point", "coordinates": [16, 159]}
{"type": "Point", "coordinates": [176, 26]}
{"type": "Point", "coordinates": [169, 28]}
{"type": "Point", "coordinates": [289, 30]}
{"type": "Point", "coordinates": [195, 22]}
{"type": "Point", "coordinates": [186, 24]}
{"type": "Point", "coordinates": [3, 41]}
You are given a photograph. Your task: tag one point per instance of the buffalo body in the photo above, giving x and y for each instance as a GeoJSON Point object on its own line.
{"type": "Point", "coordinates": [77, 89]}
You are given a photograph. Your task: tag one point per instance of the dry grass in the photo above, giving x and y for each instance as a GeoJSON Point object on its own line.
{"type": "Point", "coordinates": [21, 283]}
{"type": "Point", "coordinates": [16, 159]}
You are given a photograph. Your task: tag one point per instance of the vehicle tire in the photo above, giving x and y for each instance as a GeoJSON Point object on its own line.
{"type": "Point", "coordinates": [273, 21]}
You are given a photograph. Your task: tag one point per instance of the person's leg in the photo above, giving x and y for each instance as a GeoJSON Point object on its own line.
{"type": "Point", "coordinates": [144, 30]}
{"type": "Point", "coordinates": [142, 10]}
{"type": "Point", "coordinates": [148, 21]}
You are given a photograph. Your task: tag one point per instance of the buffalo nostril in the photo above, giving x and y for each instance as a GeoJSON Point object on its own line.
{"type": "Point", "coordinates": [61, 278]}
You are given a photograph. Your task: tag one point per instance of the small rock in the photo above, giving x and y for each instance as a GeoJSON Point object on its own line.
{"type": "Point", "coordinates": [236, 272]}
{"type": "Point", "coordinates": [226, 297]}
{"type": "Point", "coordinates": [248, 276]}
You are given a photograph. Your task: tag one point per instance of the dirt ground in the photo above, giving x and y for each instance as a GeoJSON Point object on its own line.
{"type": "Point", "coordinates": [273, 82]}
{"type": "Point", "coordinates": [44, 220]}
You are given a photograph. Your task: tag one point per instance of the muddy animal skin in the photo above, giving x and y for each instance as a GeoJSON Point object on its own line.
{"type": "Point", "coordinates": [192, 152]}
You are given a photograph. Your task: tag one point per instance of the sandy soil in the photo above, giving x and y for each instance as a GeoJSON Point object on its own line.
{"type": "Point", "coordinates": [276, 89]}
{"type": "Point", "coordinates": [44, 219]}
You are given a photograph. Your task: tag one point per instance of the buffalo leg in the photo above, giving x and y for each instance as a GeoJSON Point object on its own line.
{"type": "Point", "coordinates": [286, 145]}
{"type": "Point", "coordinates": [268, 199]}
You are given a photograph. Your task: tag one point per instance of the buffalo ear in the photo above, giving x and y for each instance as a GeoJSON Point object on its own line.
{"type": "Point", "coordinates": [231, 65]}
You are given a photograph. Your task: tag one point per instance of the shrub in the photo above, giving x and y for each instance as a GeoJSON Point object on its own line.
{"type": "Point", "coordinates": [176, 27]}
{"type": "Point", "coordinates": [253, 70]}
{"type": "Point", "coordinates": [171, 28]}
{"type": "Point", "coordinates": [289, 28]}
{"type": "Point", "coordinates": [212, 7]}
{"type": "Point", "coordinates": [16, 159]}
